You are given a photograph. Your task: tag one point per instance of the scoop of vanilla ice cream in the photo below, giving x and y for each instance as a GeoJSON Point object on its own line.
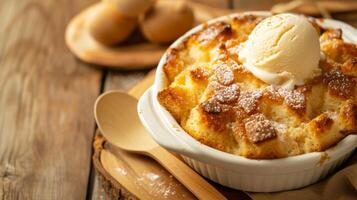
{"type": "Point", "coordinates": [282, 50]}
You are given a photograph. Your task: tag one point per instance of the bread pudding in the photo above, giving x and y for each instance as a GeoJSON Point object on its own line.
{"type": "Point", "coordinates": [221, 104]}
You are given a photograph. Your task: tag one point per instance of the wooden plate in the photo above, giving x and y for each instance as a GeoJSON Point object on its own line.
{"type": "Point", "coordinates": [124, 175]}
{"type": "Point", "coordinates": [135, 53]}
{"type": "Point", "coordinates": [130, 176]}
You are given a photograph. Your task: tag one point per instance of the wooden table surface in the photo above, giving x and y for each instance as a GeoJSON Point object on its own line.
{"type": "Point", "coordinates": [46, 102]}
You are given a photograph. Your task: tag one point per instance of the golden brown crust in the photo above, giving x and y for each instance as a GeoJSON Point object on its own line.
{"type": "Point", "coordinates": [214, 33]}
{"type": "Point", "coordinates": [339, 84]}
{"type": "Point", "coordinates": [221, 104]}
{"type": "Point", "coordinates": [173, 64]}
{"type": "Point", "coordinates": [322, 123]}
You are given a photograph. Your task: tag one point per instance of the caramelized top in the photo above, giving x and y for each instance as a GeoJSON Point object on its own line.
{"type": "Point", "coordinates": [223, 105]}
{"type": "Point", "coordinates": [339, 84]}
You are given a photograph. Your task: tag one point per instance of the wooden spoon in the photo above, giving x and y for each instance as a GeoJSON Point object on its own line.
{"type": "Point", "coordinates": [117, 119]}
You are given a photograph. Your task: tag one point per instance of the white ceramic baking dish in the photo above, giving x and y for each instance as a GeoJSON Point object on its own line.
{"type": "Point", "coordinates": [236, 171]}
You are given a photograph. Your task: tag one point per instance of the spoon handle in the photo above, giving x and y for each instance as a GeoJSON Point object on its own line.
{"type": "Point", "coordinates": [187, 176]}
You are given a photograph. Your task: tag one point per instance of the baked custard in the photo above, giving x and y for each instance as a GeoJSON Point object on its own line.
{"type": "Point", "coordinates": [222, 103]}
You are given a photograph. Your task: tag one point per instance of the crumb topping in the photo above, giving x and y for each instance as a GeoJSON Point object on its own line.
{"type": "Point", "coordinates": [258, 128]}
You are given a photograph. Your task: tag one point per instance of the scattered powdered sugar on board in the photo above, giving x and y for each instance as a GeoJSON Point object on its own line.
{"type": "Point", "coordinates": [160, 187]}
{"type": "Point", "coordinates": [152, 176]}
{"type": "Point", "coordinates": [121, 171]}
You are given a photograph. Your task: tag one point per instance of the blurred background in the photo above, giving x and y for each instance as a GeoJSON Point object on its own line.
{"type": "Point", "coordinates": [48, 89]}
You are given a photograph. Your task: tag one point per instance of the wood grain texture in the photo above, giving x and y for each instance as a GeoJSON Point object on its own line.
{"type": "Point", "coordinates": [116, 117]}
{"type": "Point", "coordinates": [255, 4]}
{"type": "Point", "coordinates": [123, 81]}
{"type": "Point", "coordinates": [46, 100]}
{"type": "Point", "coordinates": [119, 80]}
{"type": "Point", "coordinates": [140, 164]}
{"type": "Point", "coordinates": [332, 6]}
{"type": "Point", "coordinates": [142, 177]}
{"type": "Point", "coordinates": [216, 3]}
{"type": "Point", "coordinates": [136, 53]}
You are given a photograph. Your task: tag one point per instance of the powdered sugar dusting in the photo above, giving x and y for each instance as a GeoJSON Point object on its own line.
{"type": "Point", "coordinates": [228, 94]}
{"type": "Point", "coordinates": [248, 101]}
{"type": "Point", "coordinates": [223, 95]}
{"type": "Point", "coordinates": [211, 106]}
{"type": "Point", "coordinates": [280, 128]}
{"type": "Point", "coordinates": [340, 84]}
{"type": "Point", "coordinates": [159, 186]}
{"type": "Point", "coordinates": [258, 128]}
{"type": "Point", "coordinates": [293, 98]}
{"type": "Point", "coordinates": [152, 176]}
{"type": "Point", "coordinates": [223, 74]}
{"type": "Point", "coordinates": [121, 171]}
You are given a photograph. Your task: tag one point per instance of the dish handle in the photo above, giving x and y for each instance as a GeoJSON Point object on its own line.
{"type": "Point", "coordinates": [157, 130]}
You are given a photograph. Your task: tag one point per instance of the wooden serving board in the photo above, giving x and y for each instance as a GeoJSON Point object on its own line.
{"type": "Point", "coordinates": [129, 176]}
{"type": "Point", "coordinates": [135, 53]}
